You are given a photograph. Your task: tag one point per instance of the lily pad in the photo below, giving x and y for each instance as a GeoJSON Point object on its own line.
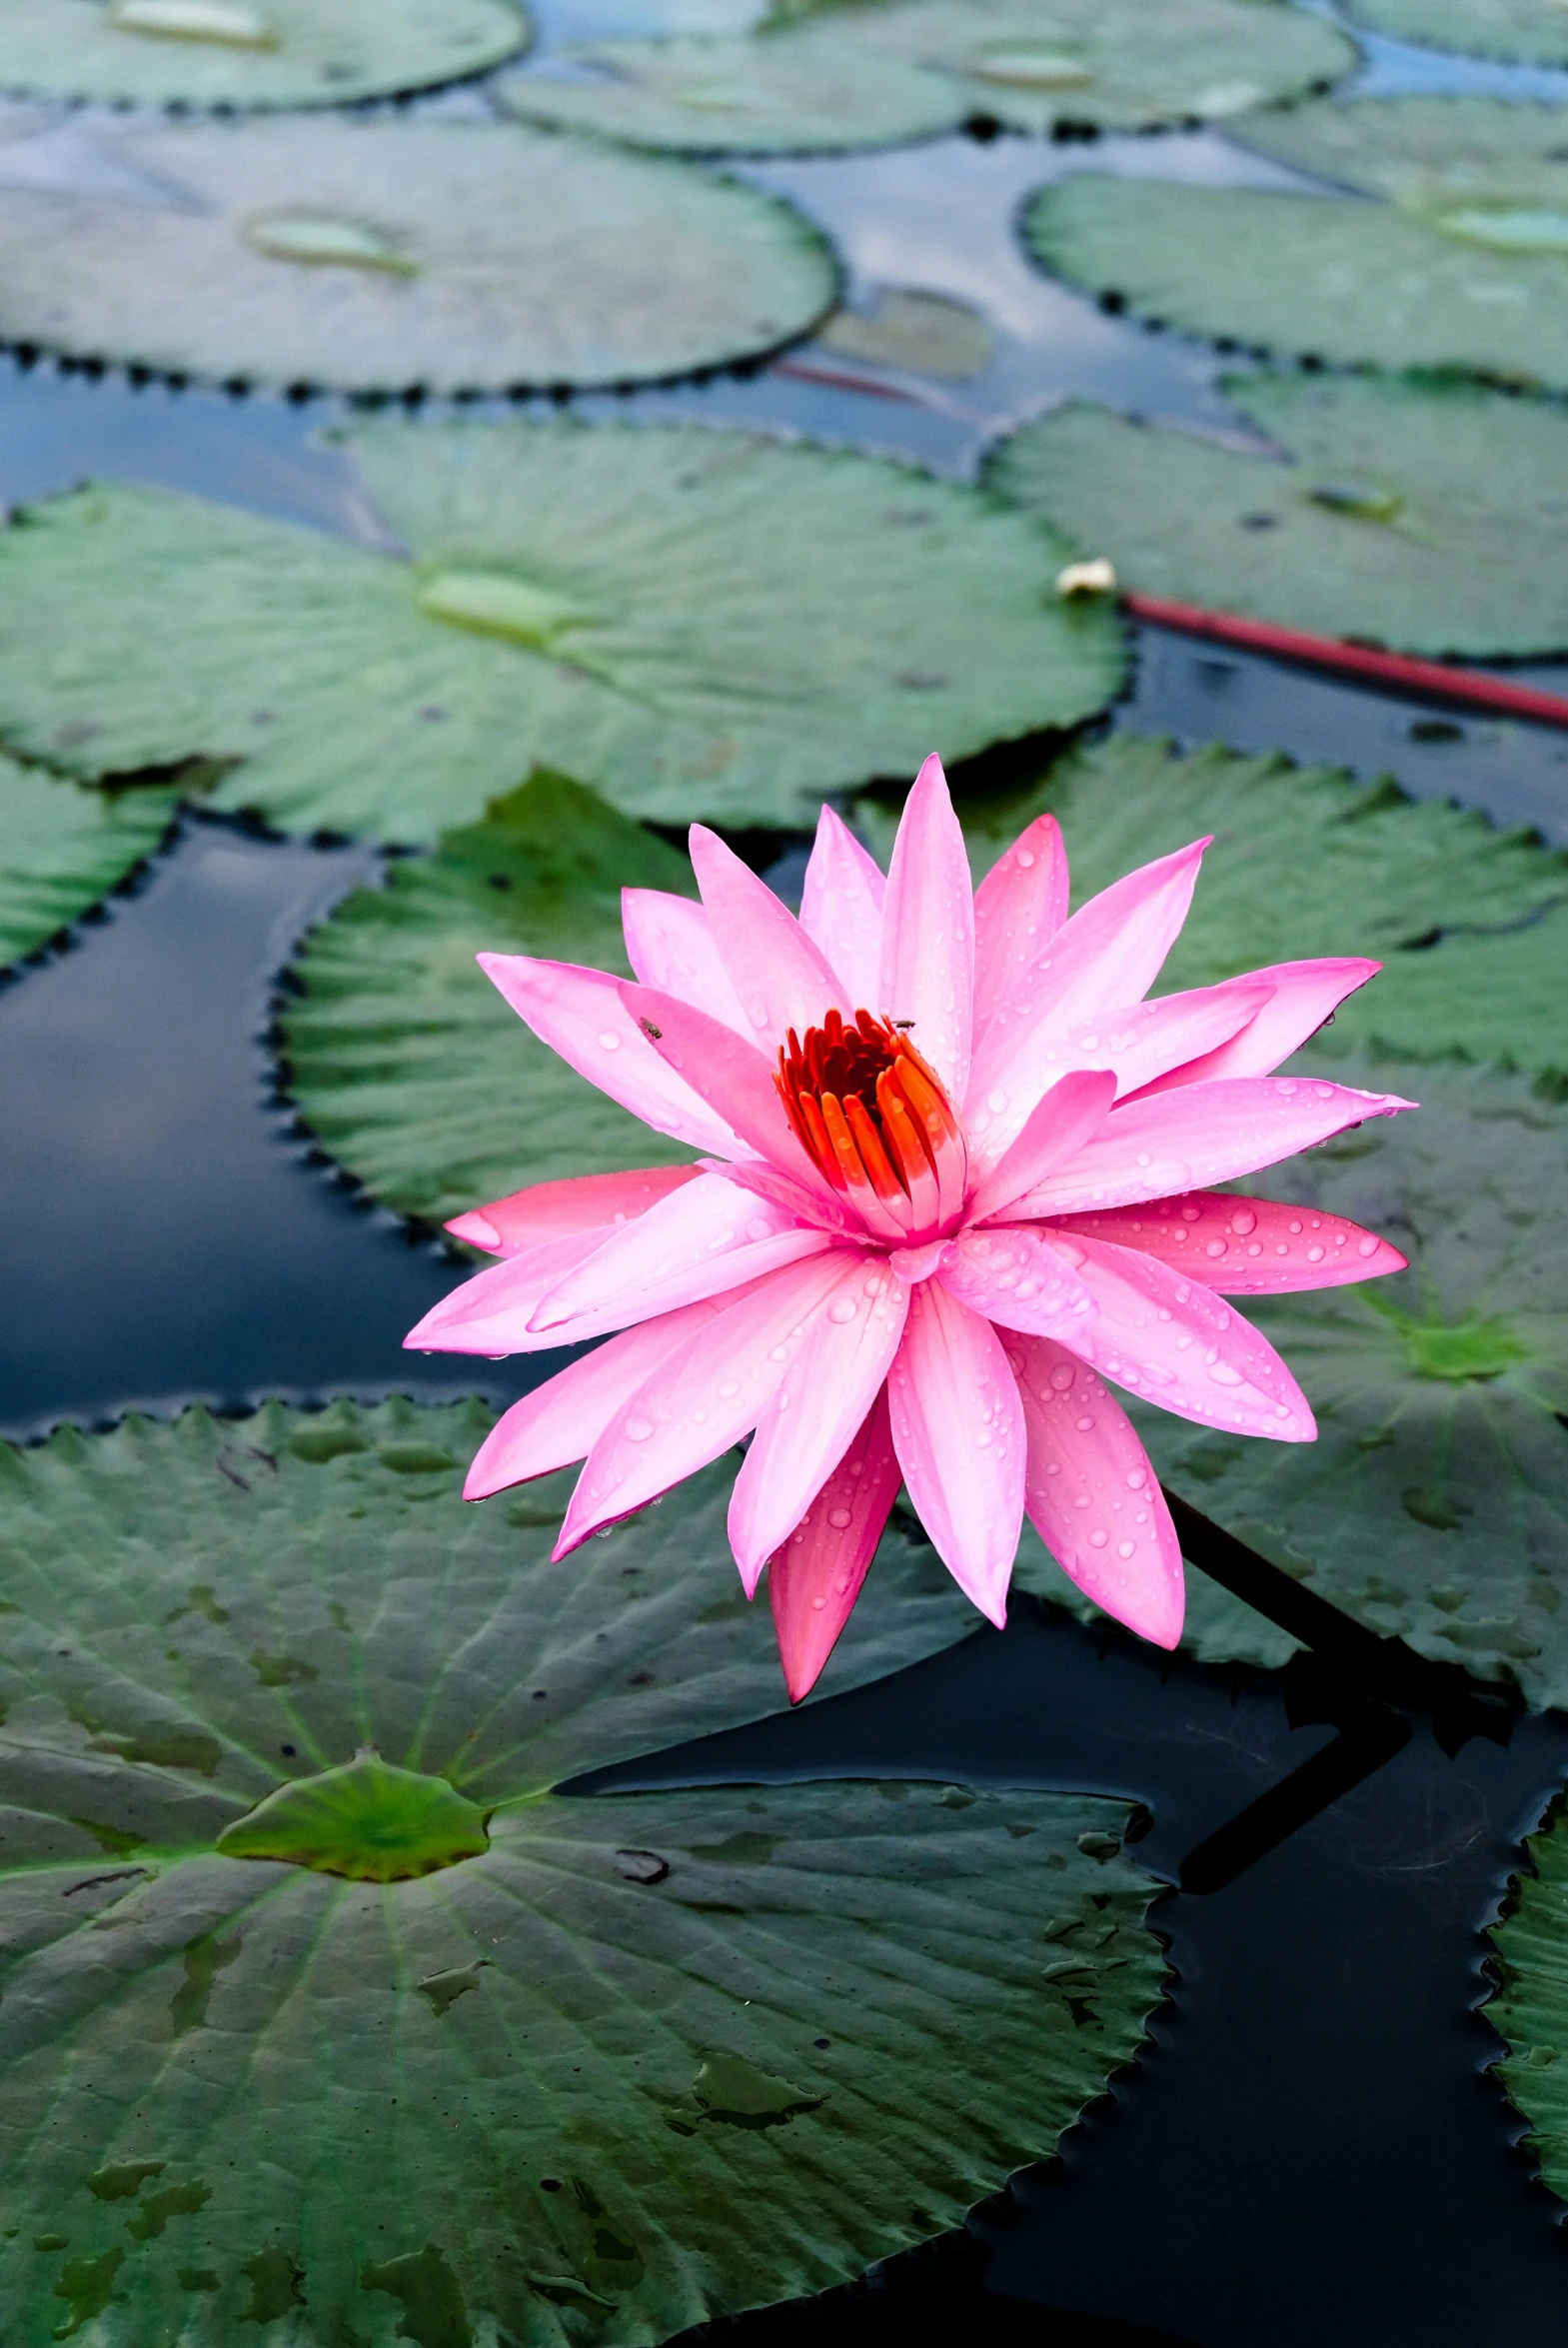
{"type": "Point", "coordinates": [1421, 152]}
{"type": "Point", "coordinates": [1521, 32]}
{"type": "Point", "coordinates": [386, 254]}
{"type": "Point", "coordinates": [63, 847]}
{"type": "Point", "coordinates": [794, 93]}
{"type": "Point", "coordinates": [1331, 277]}
{"type": "Point", "coordinates": [1428, 514]}
{"type": "Point", "coordinates": [1115, 64]}
{"type": "Point", "coordinates": [404, 1062]}
{"type": "Point", "coordinates": [694, 623]}
{"type": "Point", "coordinates": [1471, 923]}
{"type": "Point", "coordinates": [919, 333]}
{"type": "Point", "coordinates": [250, 53]}
{"type": "Point", "coordinates": [1529, 2008]}
{"type": "Point", "coordinates": [400, 2043]}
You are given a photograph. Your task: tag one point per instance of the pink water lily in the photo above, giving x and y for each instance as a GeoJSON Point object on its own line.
{"type": "Point", "coordinates": [924, 1239]}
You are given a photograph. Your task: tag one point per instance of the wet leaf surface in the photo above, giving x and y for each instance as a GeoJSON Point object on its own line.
{"type": "Point", "coordinates": [62, 848]}
{"type": "Point", "coordinates": [635, 2061]}
{"type": "Point", "coordinates": [1529, 2007]}
{"type": "Point", "coordinates": [1329, 277]}
{"type": "Point", "coordinates": [386, 254]}
{"type": "Point", "coordinates": [1528, 32]}
{"type": "Point", "coordinates": [1419, 514]}
{"type": "Point", "coordinates": [1422, 152]}
{"type": "Point", "coordinates": [1112, 63]}
{"type": "Point", "coordinates": [694, 623]}
{"type": "Point", "coordinates": [273, 53]}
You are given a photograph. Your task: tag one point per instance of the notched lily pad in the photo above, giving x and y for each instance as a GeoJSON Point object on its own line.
{"type": "Point", "coordinates": [522, 2085]}
{"type": "Point", "coordinates": [404, 1062]}
{"type": "Point", "coordinates": [1424, 153]}
{"type": "Point", "coordinates": [694, 623]}
{"type": "Point", "coordinates": [62, 848]}
{"type": "Point", "coordinates": [1521, 32]}
{"type": "Point", "coordinates": [1529, 2006]}
{"type": "Point", "coordinates": [1331, 277]}
{"type": "Point", "coordinates": [379, 255]}
{"type": "Point", "coordinates": [250, 53]}
{"type": "Point", "coordinates": [1424, 513]}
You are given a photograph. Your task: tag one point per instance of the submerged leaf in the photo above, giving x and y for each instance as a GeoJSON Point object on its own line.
{"type": "Point", "coordinates": [383, 254]}
{"type": "Point", "coordinates": [694, 623]}
{"type": "Point", "coordinates": [62, 848]}
{"type": "Point", "coordinates": [1332, 277]}
{"type": "Point", "coordinates": [534, 2085]}
{"type": "Point", "coordinates": [1423, 514]}
{"type": "Point", "coordinates": [262, 53]}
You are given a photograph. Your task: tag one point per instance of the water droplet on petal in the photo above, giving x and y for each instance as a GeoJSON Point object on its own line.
{"type": "Point", "coordinates": [1098, 1537]}
{"type": "Point", "coordinates": [1367, 1246]}
{"type": "Point", "coordinates": [638, 1431]}
{"type": "Point", "coordinates": [1224, 1375]}
{"type": "Point", "coordinates": [1084, 1424]}
{"type": "Point", "coordinates": [1244, 1221]}
{"type": "Point", "coordinates": [1025, 857]}
{"type": "Point", "coordinates": [1061, 1377]}
{"type": "Point", "coordinates": [609, 1041]}
{"type": "Point", "coordinates": [840, 1518]}
{"type": "Point", "coordinates": [1316, 1252]}
{"type": "Point", "coordinates": [1136, 1478]}
{"type": "Point", "coordinates": [842, 1309]}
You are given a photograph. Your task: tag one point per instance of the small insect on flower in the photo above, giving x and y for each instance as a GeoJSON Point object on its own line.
{"type": "Point", "coordinates": [912, 1263]}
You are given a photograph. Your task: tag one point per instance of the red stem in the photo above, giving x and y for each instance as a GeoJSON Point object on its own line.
{"type": "Point", "coordinates": [1355, 659]}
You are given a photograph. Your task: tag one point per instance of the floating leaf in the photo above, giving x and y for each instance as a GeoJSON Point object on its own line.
{"type": "Point", "coordinates": [922, 333]}
{"type": "Point", "coordinates": [1427, 514]}
{"type": "Point", "coordinates": [694, 623]}
{"type": "Point", "coordinates": [404, 1062]}
{"type": "Point", "coordinates": [386, 254]}
{"type": "Point", "coordinates": [1529, 2007]}
{"type": "Point", "coordinates": [257, 54]}
{"type": "Point", "coordinates": [1420, 151]}
{"type": "Point", "coordinates": [1471, 923]}
{"type": "Point", "coordinates": [1331, 277]}
{"type": "Point", "coordinates": [546, 2060]}
{"type": "Point", "coordinates": [1523, 32]}
{"type": "Point", "coordinates": [63, 847]}
{"type": "Point", "coordinates": [790, 94]}
{"type": "Point", "coordinates": [1117, 64]}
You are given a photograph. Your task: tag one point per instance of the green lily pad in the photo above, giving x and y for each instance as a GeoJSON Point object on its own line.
{"type": "Point", "coordinates": [612, 2064]}
{"type": "Point", "coordinates": [1521, 32]}
{"type": "Point", "coordinates": [1529, 2006]}
{"type": "Point", "coordinates": [790, 94]}
{"type": "Point", "coordinates": [1471, 923]}
{"type": "Point", "coordinates": [1421, 152]}
{"type": "Point", "coordinates": [1331, 277]}
{"type": "Point", "coordinates": [402, 1057]}
{"type": "Point", "coordinates": [694, 623]}
{"type": "Point", "coordinates": [1117, 64]}
{"type": "Point", "coordinates": [386, 254]}
{"type": "Point", "coordinates": [250, 53]}
{"type": "Point", "coordinates": [63, 847]}
{"type": "Point", "coordinates": [1423, 514]}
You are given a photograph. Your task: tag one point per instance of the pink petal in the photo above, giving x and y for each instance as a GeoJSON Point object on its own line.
{"type": "Point", "coordinates": [1070, 1113]}
{"type": "Point", "coordinates": [1305, 994]}
{"type": "Point", "coordinates": [579, 1015]}
{"type": "Point", "coordinates": [814, 1578]}
{"type": "Point", "coordinates": [1018, 907]}
{"type": "Point", "coordinates": [731, 1074]}
{"type": "Point", "coordinates": [1101, 961]}
{"type": "Point", "coordinates": [707, 1237]}
{"type": "Point", "coordinates": [1092, 1496]}
{"type": "Point", "coordinates": [1008, 1272]}
{"type": "Point", "coordinates": [550, 1211]}
{"type": "Point", "coordinates": [1245, 1247]}
{"type": "Point", "coordinates": [842, 909]}
{"type": "Point", "coordinates": [700, 1400]}
{"type": "Point", "coordinates": [670, 944]}
{"type": "Point", "coordinates": [928, 967]}
{"type": "Point", "coordinates": [1174, 1342]}
{"type": "Point", "coordinates": [829, 1389]}
{"type": "Point", "coordinates": [766, 1182]}
{"type": "Point", "coordinates": [563, 1420]}
{"type": "Point", "coordinates": [781, 978]}
{"type": "Point", "coordinates": [957, 1425]}
{"type": "Point", "coordinates": [490, 1313]}
{"type": "Point", "coordinates": [1200, 1133]}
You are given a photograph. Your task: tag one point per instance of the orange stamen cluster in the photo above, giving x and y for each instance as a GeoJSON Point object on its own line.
{"type": "Point", "coordinates": [868, 1111]}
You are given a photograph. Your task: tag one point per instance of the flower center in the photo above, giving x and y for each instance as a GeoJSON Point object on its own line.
{"type": "Point", "coordinates": [875, 1119]}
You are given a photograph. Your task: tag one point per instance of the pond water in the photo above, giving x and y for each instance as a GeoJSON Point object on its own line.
{"type": "Point", "coordinates": [1312, 2151]}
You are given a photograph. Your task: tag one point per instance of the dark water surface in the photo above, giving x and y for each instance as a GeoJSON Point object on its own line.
{"type": "Point", "coordinates": [1310, 2153]}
